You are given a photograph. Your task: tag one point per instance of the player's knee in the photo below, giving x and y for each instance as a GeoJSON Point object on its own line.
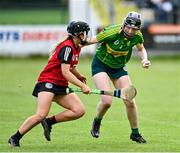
{"type": "Point", "coordinates": [79, 112]}
{"type": "Point", "coordinates": [131, 105]}
{"type": "Point", "coordinates": [107, 101]}
{"type": "Point", "coordinates": [40, 117]}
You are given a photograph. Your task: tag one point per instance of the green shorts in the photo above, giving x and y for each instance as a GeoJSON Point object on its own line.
{"type": "Point", "coordinates": [97, 66]}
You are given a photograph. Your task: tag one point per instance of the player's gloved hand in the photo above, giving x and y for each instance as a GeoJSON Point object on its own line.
{"type": "Point", "coordinates": [145, 63]}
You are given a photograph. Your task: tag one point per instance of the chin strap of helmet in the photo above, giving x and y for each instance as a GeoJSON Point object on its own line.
{"type": "Point", "coordinates": [83, 42]}
{"type": "Point", "coordinates": [125, 34]}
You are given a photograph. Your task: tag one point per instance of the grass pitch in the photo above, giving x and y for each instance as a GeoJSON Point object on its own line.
{"type": "Point", "coordinates": [34, 16]}
{"type": "Point", "coordinates": [158, 101]}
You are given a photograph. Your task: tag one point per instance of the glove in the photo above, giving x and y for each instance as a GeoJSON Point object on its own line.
{"type": "Point", "coordinates": [145, 63]}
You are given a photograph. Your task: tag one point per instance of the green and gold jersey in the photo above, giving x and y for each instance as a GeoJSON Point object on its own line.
{"type": "Point", "coordinates": [115, 49]}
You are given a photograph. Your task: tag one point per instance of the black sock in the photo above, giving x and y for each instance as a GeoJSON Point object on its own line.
{"type": "Point", "coordinates": [135, 131]}
{"type": "Point", "coordinates": [51, 120]}
{"type": "Point", "coordinates": [17, 135]}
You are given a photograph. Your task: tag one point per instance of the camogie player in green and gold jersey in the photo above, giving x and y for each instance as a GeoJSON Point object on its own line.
{"type": "Point", "coordinates": [109, 64]}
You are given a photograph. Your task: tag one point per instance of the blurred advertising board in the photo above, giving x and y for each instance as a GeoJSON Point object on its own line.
{"type": "Point", "coordinates": [23, 40]}
{"type": "Point", "coordinates": [29, 39]}
{"type": "Point", "coordinates": [162, 36]}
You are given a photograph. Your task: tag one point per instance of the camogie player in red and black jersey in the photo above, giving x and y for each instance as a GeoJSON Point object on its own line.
{"type": "Point", "coordinates": [53, 80]}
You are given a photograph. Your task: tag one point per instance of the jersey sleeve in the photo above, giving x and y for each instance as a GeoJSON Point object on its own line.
{"type": "Point", "coordinates": [65, 54]}
{"type": "Point", "coordinates": [140, 38]}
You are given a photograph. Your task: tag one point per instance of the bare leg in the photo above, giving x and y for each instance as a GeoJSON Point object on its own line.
{"type": "Point", "coordinates": [131, 108]}
{"type": "Point", "coordinates": [74, 106]}
{"type": "Point", "coordinates": [102, 82]}
{"type": "Point", "coordinates": [43, 105]}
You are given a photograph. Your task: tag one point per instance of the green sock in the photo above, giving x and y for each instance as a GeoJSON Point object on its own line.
{"type": "Point", "coordinates": [98, 119]}
{"type": "Point", "coordinates": [135, 131]}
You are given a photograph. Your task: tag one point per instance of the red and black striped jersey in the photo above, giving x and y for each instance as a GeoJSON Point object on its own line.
{"type": "Point", "coordinates": [65, 52]}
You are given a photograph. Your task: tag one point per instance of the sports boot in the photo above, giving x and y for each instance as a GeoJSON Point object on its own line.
{"type": "Point", "coordinates": [13, 142]}
{"type": "Point", "coordinates": [95, 128]}
{"type": "Point", "coordinates": [138, 138]}
{"type": "Point", "coordinates": [47, 129]}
